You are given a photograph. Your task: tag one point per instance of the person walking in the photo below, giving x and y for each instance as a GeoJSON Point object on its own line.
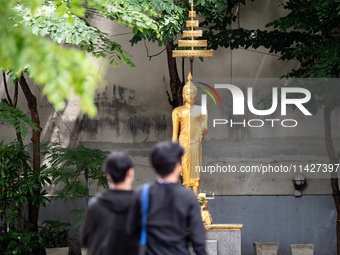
{"type": "Point", "coordinates": [174, 217]}
{"type": "Point", "coordinates": [104, 229]}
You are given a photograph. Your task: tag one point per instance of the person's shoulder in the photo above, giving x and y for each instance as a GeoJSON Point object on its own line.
{"type": "Point", "coordinates": [93, 202]}
{"type": "Point", "coordinates": [185, 193]}
{"type": "Point", "coordinates": [138, 190]}
{"type": "Point", "coordinates": [140, 187]}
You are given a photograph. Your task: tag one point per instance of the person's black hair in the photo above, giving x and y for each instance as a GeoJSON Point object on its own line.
{"type": "Point", "coordinates": [164, 157]}
{"type": "Point", "coordinates": [116, 165]}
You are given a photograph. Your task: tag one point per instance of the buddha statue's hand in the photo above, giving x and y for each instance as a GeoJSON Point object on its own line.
{"type": "Point", "coordinates": [201, 138]}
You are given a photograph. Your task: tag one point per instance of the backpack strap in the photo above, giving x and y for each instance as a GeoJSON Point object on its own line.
{"type": "Point", "coordinates": [145, 207]}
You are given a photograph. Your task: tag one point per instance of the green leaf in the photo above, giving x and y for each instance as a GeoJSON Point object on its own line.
{"type": "Point", "coordinates": [61, 9]}
{"type": "Point", "coordinates": [135, 30]}
{"type": "Point", "coordinates": [78, 10]}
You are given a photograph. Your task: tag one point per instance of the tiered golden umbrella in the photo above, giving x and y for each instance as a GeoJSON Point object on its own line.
{"type": "Point", "coordinates": [192, 43]}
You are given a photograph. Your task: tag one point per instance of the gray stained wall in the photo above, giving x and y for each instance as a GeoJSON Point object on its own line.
{"type": "Point", "coordinates": [284, 219]}
{"type": "Point", "coordinates": [134, 114]}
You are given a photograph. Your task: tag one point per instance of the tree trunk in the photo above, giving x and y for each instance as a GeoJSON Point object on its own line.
{"type": "Point", "coordinates": [33, 210]}
{"type": "Point", "coordinates": [334, 177]}
{"type": "Point", "coordinates": [176, 85]}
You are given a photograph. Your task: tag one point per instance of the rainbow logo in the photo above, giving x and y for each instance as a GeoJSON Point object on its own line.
{"type": "Point", "coordinates": [209, 93]}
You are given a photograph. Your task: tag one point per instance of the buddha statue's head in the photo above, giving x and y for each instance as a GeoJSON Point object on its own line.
{"type": "Point", "coordinates": [189, 91]}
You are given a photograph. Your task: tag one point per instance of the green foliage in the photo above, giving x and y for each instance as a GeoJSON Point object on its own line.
{"type": "Point", "coordinates": [16, 187]}
{"type": "Point", "coordinates": [79, 214]}
{"type": "Point", "coordinates": [15, 242]}
{"type": "Point", "coordinates": [309, 33]}
{"type": "Point", "coordinates": [325, 92]}
{"type": "Point", "coordinates": [54, 234]}
{"type": "Point", "coordinates": [12, 158]}
{"type": "Point", "coordinates": [218, 15]}
{"type": "Point", "coordinates": [79, 32]}
{"type": "Point", "coordinates": [64, 71]}
{"type": "Point", "coordinates": [171, 20]}
{"type": "Point", "coordinates": [133, 13]}
{"type": "Point", "coordinates": [16, 118]}
{"type": "Point", "coordinates": [68, 165]}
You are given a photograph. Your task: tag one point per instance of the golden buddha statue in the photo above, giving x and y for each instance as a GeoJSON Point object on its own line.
{"type": "Point", "coordinates": [193, 126]}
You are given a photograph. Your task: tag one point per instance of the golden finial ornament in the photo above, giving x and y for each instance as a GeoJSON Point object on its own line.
{"type": "Point", "coordinates": [192, 43]}
{"type": "Point", "coordinates": [189, 77]}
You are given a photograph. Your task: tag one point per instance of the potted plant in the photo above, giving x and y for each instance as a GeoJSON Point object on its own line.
{"type": "Point", "coordinates": [55, 237]}
{"type": "Point", "coordinates": [306, 249]}
{"type": "Point", "coordinates": [270, 248]}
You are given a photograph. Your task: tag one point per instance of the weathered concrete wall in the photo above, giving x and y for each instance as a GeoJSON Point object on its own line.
{"type": "Point", "coordinates": [284, 219]}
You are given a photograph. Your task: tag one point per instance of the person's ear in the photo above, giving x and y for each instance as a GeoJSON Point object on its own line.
{"type": "Point", "coordinates": [108, 177]}
{"type": "Point", "coordinates": [178, 167]}
{"type": "Point", "coordinates": [131, 173]}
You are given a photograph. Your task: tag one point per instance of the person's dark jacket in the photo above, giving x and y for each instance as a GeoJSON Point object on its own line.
{"type": "Point", "coordinates": [174, 219]}
{"type": "Point", "coordinates": [104, 228]}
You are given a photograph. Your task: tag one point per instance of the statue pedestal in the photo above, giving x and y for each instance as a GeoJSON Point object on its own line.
{"type": "Point", "coordinates": [223, 239]}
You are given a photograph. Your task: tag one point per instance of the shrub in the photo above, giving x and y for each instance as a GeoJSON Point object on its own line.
{"type": "Point", "coordinates": [54, 234]}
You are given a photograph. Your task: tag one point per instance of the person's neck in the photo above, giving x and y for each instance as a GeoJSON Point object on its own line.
{"type": "Point", "coordinates": [170, 178]}
{"type": "Point", "coordinates": [120, 186]}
